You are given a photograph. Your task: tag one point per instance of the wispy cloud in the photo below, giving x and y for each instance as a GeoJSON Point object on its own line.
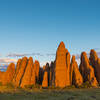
{"type": "Point", "coordinates": [7, 60]}
{"type": "Point", "coordinates": [29, 54]}
{"type": "Point", "coordinates": [50, 54]}
{"type": "Point", "coordinates": [22, 55]}
{"type": "Point", "coordinates": [96, 48]}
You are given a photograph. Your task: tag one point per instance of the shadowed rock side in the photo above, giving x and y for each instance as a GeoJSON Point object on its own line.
{"type": "Point", "coordinates": [52, 74]}
{"type": "Point", "coordinates": [95, 62]}
{"type": "Point", "coordinates": [87, 70]}
{"type": "Point", "coordinates": [36, 69]}
{"type": "Point", "coordinates": [76, 77]}
{"type": "Point", "coordinates": [61, 67]}
{"type": "Point", "coordinates": [60, 73]}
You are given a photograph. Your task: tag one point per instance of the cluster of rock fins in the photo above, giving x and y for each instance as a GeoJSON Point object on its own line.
{"type": "Point", "coordinates": [63, 72]}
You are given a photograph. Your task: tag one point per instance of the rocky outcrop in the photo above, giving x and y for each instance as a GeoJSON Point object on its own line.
{"type": "Point", "coordinates": [76, 77]}
{"type": "Point", "coordinates": [60, 73]}
{"type": "Point", "coordinates": [8, 76]}
{"type": "Point", "coordinates": [87, 70]}
{"type": "Point", "coordinates": [45, 80]}
{"type": "Point", "coordinates": [37, 69]}
{"type": "Point", "coordinates": [95, 62]}
{"type": "Point", "coordinates": [61, 68]}
{"type": "Point", "coordinates": [26, 80]}
{"type": "Point", "coordinates": [18, 79]}
{"type": "Point", "coordinates": [52, 74]}
{"type": "Point", "coordinates": [68, 68]}
{"type": "Point", "coordinates": [17, 69]}
{"type": "Point", "coordinates": [33, 77]}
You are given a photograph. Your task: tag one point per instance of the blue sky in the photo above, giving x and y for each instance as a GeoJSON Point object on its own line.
{"type": "Point", "coordinates": [37, 26]}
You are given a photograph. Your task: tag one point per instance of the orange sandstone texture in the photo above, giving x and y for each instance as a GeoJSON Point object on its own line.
{"type": "Point", "coordinates": [45, 80]}
{"type": "Point", "coordinates": [62, 78]}
{"type": "Point", "coordinates": [7, 76]}
{"type": "Point", "coordinates": [26, 80]}
{"type": "Point", "coordinates": [37, 69]}
{"type": "Point", "coordinates": [33, 77]}
{"type": "Point", "coordinates": [87, 70]}
{"type": "Point", "coordinates": [68, 68]}
{"type": "Point", "coordinates": [17, 70]}
{"type": "Point", "coordinates": [76, 77]}
{"type": "Point", "coordinates": [20, 74]}
{"type": "Point", "coordinates": [95, 62]}
{"type": "Point", "coordinates": [60, 73]}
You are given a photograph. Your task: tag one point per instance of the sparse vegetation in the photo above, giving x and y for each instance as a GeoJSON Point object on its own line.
{"type": "Point", "coordinates": [56, 94]}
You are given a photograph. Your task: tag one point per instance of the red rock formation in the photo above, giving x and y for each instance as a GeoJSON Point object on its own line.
{"type": "Point", "coordinates": [95, 62]}
{"type": "Point", "coordinates": [1, 75]}
{"type": "Point", "coordinates": [26, 80]}
{"type": "Point", "coordinates": [17, 70]}
{"type": "Point", "coordinates": [52, 74]}
{"type": "Point", "coordinates": [45, 80]}
{"type": "Point", "coordinates": [37, 68]}
{"type": "Point", "coordinates": [93, 58]}
{"type": "Point", "coordinates": [18, 79]}
{"type": "Point", "coordinates": [68, 67]}
{"type": "Point", "coordinates": [8, 76]}
{"type": "Point", "coordinates": [87, 70]}
{"type": "Point", "coordinates": [61, 68]}
{"type": "Point", "coordinates": [76, 77]}
{"type": "Point", "coordinates": [33, 77]}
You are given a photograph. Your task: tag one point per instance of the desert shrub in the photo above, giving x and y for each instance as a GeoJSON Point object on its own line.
{"type": "Point", "coordinates": [70, 87]}
{"type": "Point", "coordinates": [32, 86]}
{"type": "Point", "coordinates": [28, 86]}
{"type": "Point", "coordinates": [85, 85]}
{"type": "Point", "coordinates": [36, 86]}
{"type": "Point", "coordinates": [10, 85]}
{"type": "Point", "coordinates": [0, 83]}
{"type": "Point", "coordinates": [51, 87]}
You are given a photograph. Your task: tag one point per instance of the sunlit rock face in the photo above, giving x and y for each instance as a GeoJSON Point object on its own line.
{"type": "Point", "coordinates": [22, 67]}
{"type": "Point", "coordinates": [60, 73]}
{"type": "Point", "coordinates": [45, 80]}
{"type": "Point", "coordinates": [62, 77]}
{"type": "Point", "coordinates": [27, 80]}
{"type": "Point", "coordinates": [95, 62]}
{"type": "Point", "coordinates": [87, 70]}
{"type": "Point", "coordinates": [76, 77]}
{"type": "Point", "coordinates": [8, 76]}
